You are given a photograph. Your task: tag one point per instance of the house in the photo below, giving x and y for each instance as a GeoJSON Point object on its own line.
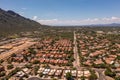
{"type": "Point", "coordinates": [66, 71]}
{"type": "Point", "coordinates": [80, 73]}
{"type": "Point", "coordinates": [86, 73]}
{"type": "Point", "coordinates": [42, 60]}
{"type": "Point", "coordinates": [52, 72]}
{"type": "Point", "coordinates": [58, 73]}
{"type": "Point", "coordinates": [74, 73]}
{"type": "Point", "coordinates": [20, 74]}
{"type": "Point", "coordinates": [117, 70]}
{"type": "Point", "coordinates": [41, 70]}
{"type": "Point", "coordinates": [26, 70]}
{"type": "Point", "coordinates": [98, 61]}
{"type": "Point", "coordinates": [109, 60]}
{"type": "Point", "coordinates": [46, 71]}
{"type": "Point", "coordinates": [117, 64]}
{"type": "Point", "coordinates": [65, 61]}
{"type": "Point", "coordinates": [2, 68]}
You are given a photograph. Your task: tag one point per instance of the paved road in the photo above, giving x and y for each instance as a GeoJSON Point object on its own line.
{"type": "Point", "coordinates": [76, 63]}
{"type": "Point", "coordinates": [101, 75]}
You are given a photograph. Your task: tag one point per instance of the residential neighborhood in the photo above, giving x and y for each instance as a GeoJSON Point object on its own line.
{"type": "Point", "coordinates": [59, 39]}
{"type": "Point", "coordinates": [83, 56]}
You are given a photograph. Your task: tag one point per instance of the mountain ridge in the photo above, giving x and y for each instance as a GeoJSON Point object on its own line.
{"type": "Point", "coordinates": [11, 21]}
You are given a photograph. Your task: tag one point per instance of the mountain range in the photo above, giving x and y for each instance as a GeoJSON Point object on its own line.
{"type": "Point", "coordinates": [13, 22]}
{"type": "Point", "coordinates": [106, 25]}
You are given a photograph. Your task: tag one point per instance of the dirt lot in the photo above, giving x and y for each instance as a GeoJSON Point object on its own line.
{"type": "Point", "coordinates": [17, 49]}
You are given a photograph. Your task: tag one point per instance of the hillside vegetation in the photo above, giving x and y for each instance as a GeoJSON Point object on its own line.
{"type": "Point", "coordinates": [11, 22]}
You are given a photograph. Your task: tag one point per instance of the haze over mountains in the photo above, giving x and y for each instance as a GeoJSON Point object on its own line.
{"type": "Point", "coordinates": [13, 22]}
{"type": "Point", "coordinates": [106, 25]}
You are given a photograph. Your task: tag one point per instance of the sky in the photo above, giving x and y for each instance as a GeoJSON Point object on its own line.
{"type": "Point", "coordinates": [66, 12]}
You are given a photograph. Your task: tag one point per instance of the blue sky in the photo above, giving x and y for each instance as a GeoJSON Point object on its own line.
{"type": "Point", "coordinates": [66, 12]}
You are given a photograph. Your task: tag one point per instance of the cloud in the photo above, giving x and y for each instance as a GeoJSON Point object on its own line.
{"type": "Point", "coordinates": [35, 17]}
{"type": "Point", "coordinates": [21, 13]}
{"type": "Point", "coordinates": [115, 18]}
{"type": "Point", "coordinates": [88, 21]}
{"type": "Point", "coordinates": [23, 8]}
{"type": "Point", "coordinates": [49, 22]}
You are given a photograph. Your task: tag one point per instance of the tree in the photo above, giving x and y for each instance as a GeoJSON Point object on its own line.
{"type": "Point", "coordinates": [21, 78]}
{"type": "Point", "coordinates": [13, 55]}
{"type": "Point", "coordinates": [32, 51]}
{"type": "Point", "coordinates": [13, 72]}
{"type": "Point", "coordinates": [25, 57]}
{"type": "Point", "coordinates": [36, 62]}
{"type": "Point", "coordinates": [118, 57]}
{"type": "Point", "coordinates": [10, 66]}
{"type": "Point", "coordinates": [36, 69]}
{"type": "Point", "coordinates": [117, 78]}
{"type": "Point", "coordinates": [28, 66]}
{"type": "Point", "coordinates": [1, 61]}
{"type": "Point", "coordinates": [109, 72]}
{"type": "Point", "coordinates": [93, 77]}
{"type": "Point", "coordinates": [69, 76]}
{"type": "Point", "coordinates": [2, 74]}
{"type": "Point", "coordinates": [82, 77]}
{"type": "Point", "coordinates": [102, 65]}
{"type": "Point", "coordinates": [69, 64]}
{"type": "Point", "coordinates": [9, 61]}
{"type": "Point", "coordinates": [46, 66]}
{"type": "Point", "coordinates": [41, 74]}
